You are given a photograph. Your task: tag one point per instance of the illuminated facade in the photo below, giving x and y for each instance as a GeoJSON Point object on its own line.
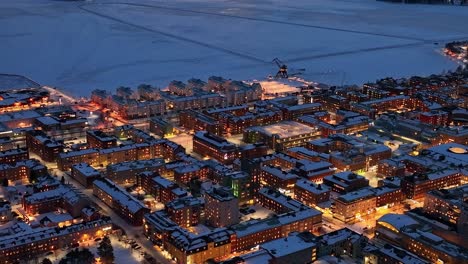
{"type": "Point", "coordinates": [123, 203]}
{"type": "Point", "coordinates": [276, 178]}
{"type": "Point", "coordinates": [251, 233]}
{"type": "Point", "coordinates": [354, 204]}
{"type": "Point", "coordinates": [133, 152]}
{"type": "Point", "coordinates": [185, 212]}
{"type": "Point", "coordinates": [281, 136]}
{"type": "Point", "coordinates": [448, 206]}
{"type": "Point", "coordinates": [100, 140]}
{"type": "Point", "coordinates": [221, 208]}
{"type": "Point", "coordinates": [84, 174]}
{"type": "Point", "coordinates": [185, 174]}
{"type": "Point", "coordinates": [405, 232]}
{"type": "Point", "coordinates": [391, 167]}
{"type": "Point", "coordinates": [22, 170]}
{"type": "Point", "coordinates": [210, 145]}
{"type": "Point", "coordinates": [311, 193]}
{"type": "Point", "coordinates": [26, 246]}
{"type": "Point", "coordinates": [161, 127]}
{"type": "Point", "coordinates": [126, 172]}
{"type": "Point", "coordinates": [12, 156]}
{"type": "Point", "coordinates": [344, 182]}
{"type": "Point", "coordinates": [416, 185]}
{"type": "Point", "coordinates": [45, 147]}
{"type": "Point", "coordinates": [277, 202]}
{"type": "Point", "coordinates": [51, 200]}
{"type": "Point", "coordinates": [197, 121]}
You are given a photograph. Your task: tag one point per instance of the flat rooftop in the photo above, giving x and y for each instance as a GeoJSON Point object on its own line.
{"type": "Point", "coordinates": [453, 151]}
{"type": "Point", "coordinates": [284, 129]}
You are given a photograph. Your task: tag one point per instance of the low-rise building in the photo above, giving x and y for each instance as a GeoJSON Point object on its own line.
{"type": "Point", "coordinates": [457, 134]}
{"type": "Point", "coordinates": [276, 178]}
{"type": "Point", "coordinates": [295, 248]}
{"type": "Point", "coordinates": [391, 167]}
{"type": "Point", "coordinates": [191, 248]}
{"type": "Point", "coordinates": [161, 127]}
{"type": "Point", "coordinates": [360, 158]}
{"type": "Point", "coordinates": [415, 186]}
{"type": "Point", "coordinates": [252, 151]}
{"type": "Point", "coordinates": [207, 144]}
{"type": "Point", "coordinates": [449, 206]}
{"type": "Point", "coordinates": [84, 174]}
{"type": "Point", "coordinates": [341, 242]}
{"type": "Point", "coordinates": [392, 255]}
{"type": "Point", "coordinates": [353, 205]}
{"type": "Point", "coordinates": [6, 143]}
{"type": "Point", "coordinates": [302, 153]}
{"type": "Point", "coordinates": [277, 202]}
{"type": "Point", "coordinates": [185, 174]}
{"type": "Point", "coordinates": [19, 119]}
{"type": "Point", "coordinates": [123, 203]}
{"type": "Point", "coordinates": [344, 182]}
{"type": "Point", "coordinates": [45, 147]}
{"type": "Point", "coordinates": [281, 136]}
{"type": "Point", "coordinates": [146, 147]}
{"type": "Point", "coordinates": [67, 159]}
{"type": "Point", "coordinates": [311, 193]}
{"type": "Point", "coordinates": [196, 121]}
{"type": "Point", "coordinates": [186, 211]}
{"type": "Point", "coordinates": [314, 171]}
{"type": "Point", "coordinates": [254, 232]}
{"type": "Point", "coordinates": [45, 201]}
{"type": "Point", "coordinates": [25, 246]}
{"type": "Point", "coordinates": [403, 231]}
{"type": "Point", "coordinates": [165, 190]}
{"type": "Point", "coordinates": [386, 195]}
{"type": "Point", "coordinates": [12, 156]}
{"type": "Point", "coordinates": [434, 117]}
{"type": "Point", "coordinates": [100, 140]}
{"type": "Point", "coordinates": [5, 212]}
{"type": "Point", "coordinates": [22, 170]}
{"type": "Point", "coordinates": [126, 172]}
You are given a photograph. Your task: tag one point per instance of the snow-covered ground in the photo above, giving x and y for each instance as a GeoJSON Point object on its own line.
{"type": "Point", "coordinates": [123, 252]}
{"type": "Point", "coordinates": [8, 82]}
{"type": "Point", "coordinates": [83, 45]}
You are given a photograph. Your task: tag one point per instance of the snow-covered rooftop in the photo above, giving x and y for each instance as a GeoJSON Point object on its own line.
{"type": "Point", "coordinates": [119, 195]}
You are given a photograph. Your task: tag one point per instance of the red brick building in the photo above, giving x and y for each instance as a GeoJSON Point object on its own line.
{"type": "Point", "coordinates": [185, 212]}
{"type": "Point", "coordinates": [45, 147]}
{"type": "Point", "coordinates": [418, 184]}
{"type": "Point", "coordinates": [207, 144]}
{"type": "Point", "coordinates": [311, 193]}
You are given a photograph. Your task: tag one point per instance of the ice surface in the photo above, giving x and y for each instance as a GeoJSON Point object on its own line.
{"type": "Point", "coordinates": [84, 45]}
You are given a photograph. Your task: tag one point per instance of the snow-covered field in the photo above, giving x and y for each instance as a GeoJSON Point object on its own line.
{"type": "Point", "coordinates": [123, 252]}
{"type": "Point", "coordinates": [83, 45]}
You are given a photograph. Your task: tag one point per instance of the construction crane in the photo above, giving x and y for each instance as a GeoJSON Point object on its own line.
{"type": "Point", "coordinates": [283, 70]}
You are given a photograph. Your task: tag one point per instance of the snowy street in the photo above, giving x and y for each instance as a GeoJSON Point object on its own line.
{"type": "Point", "coordinates": [132, 232]}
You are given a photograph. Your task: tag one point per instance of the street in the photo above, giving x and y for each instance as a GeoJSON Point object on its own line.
{"type": "Point", "coordinates": [132, 232]}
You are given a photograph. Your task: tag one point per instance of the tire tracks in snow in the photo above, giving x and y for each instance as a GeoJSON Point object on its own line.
{"type": "Point", "coordinates": [170, 35]}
